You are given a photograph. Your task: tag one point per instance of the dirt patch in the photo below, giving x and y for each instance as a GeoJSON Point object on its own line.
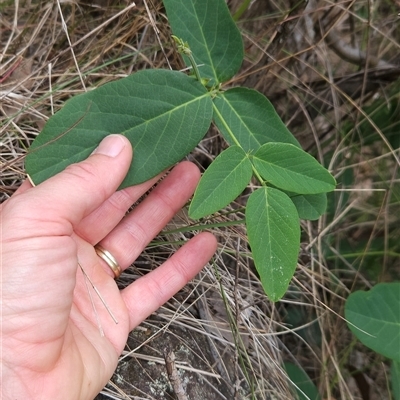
{"type": "Point", "coordinates": [143, 373]}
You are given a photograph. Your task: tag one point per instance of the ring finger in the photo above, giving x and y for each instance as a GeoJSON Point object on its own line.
{"type": "Point", "coordinates": [129, 238]}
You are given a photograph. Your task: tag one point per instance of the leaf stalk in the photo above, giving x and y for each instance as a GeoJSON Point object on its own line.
{"type": "Point", "coordinates": [236, 142]}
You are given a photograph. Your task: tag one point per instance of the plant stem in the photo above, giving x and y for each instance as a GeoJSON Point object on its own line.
{"type": "Point", "coordinates": [227, 127]}
{"type": "Point", "coordinates": [236, 142]}
{"type": "Point", "coordinates": [191, 228]}
{"type": "Point", "coordinates": [243, 7]}
{"type": "Point", "coordinates": [184, 48]}
{"type": "Point", "coordinates": [194, 65]}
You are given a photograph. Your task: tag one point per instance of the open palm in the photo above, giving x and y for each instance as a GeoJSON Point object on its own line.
{"type": "Point", "coordinates": [58, 339]}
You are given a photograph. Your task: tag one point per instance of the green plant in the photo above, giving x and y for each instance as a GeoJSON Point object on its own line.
{"type": "Point", "coordinates": [304, 387]}
{"type": "Point", "coordinates": [374, 318]}
{"type": "Point", "coordinates": [166, 113]}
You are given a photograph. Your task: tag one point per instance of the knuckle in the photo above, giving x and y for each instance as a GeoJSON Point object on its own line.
{"type": "Point", "coordinates": [83, 171]}
{"type": "Point", "coordinates": [86, 174]}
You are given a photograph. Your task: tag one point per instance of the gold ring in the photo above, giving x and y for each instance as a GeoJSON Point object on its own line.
{"type": "Point", "coordinates": [109, 260]}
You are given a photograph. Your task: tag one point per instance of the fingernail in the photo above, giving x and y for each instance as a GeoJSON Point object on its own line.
{"type": "Point", "coordinates": [110, 146]}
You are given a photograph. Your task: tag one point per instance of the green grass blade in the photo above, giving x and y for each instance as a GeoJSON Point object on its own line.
{"type": "Point", "coordinates": [163, 113]}
{"type": "Point", "coordinates": [222, 182]}
{"type": "Point", "coordinates": [290, 168]}
{"type": "Point", "coordinates": [211, 33]}
{"type": "Point", "coordinates": [274, 235]}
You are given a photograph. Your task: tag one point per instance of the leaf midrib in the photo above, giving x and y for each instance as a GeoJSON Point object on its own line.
{"type": "Point", "coordinates": [227, 177]}
{"type": "Point", "coordinates": [206, 47]}
{"type": "Point", "coordinates": [297, 174]}
{"type": "Point", "coordinates": [198, 98]}
{"type": "Point", "coordinates": [241, 120]}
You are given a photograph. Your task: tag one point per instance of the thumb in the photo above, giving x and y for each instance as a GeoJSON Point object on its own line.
{"type": "Point", "coordinates": [78, 190]}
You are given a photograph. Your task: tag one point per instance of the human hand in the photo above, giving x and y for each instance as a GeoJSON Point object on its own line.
{"type": "Point", "coordinates": [51, 343]}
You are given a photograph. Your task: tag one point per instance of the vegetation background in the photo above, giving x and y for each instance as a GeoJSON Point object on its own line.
{"type": "Point", "coordinates": [332, 70]}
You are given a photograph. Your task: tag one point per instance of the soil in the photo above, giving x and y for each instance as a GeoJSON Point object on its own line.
{"type": "Point", "coordinates": [146, 377]}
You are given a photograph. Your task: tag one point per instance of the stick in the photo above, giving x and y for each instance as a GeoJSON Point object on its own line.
{"type": "Point", "coordinates": [173, 376]}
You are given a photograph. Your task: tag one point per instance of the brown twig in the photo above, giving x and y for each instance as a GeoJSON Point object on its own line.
{"type": "Point", "coordinates": [173, 375]}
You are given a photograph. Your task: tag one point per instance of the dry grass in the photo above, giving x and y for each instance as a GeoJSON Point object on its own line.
{"type": "Point", "coordinates": [332, 70]}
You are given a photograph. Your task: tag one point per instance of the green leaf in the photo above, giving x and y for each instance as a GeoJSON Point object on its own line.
{"type": "Point", "coordinates": [395, 379]}
{"type": "Point", "coordinates": [163, 113]}
{"type": "Point", "coordinates": [222, 182]}
{"type": "Point", "coordinates": [274, 236]}
{"type": "Point", "coordinates": [305, 388]}
{"type": "Point", "coordinates": [246, 116]}
{"type": "Point", "coordinates": [374, 318]}
{"type": "Point", "coordinates": [290, 168]}
{"type": "Point", "coordinates": [310, 206]}
{"type": "Point", "coordinates": [211, 33]}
